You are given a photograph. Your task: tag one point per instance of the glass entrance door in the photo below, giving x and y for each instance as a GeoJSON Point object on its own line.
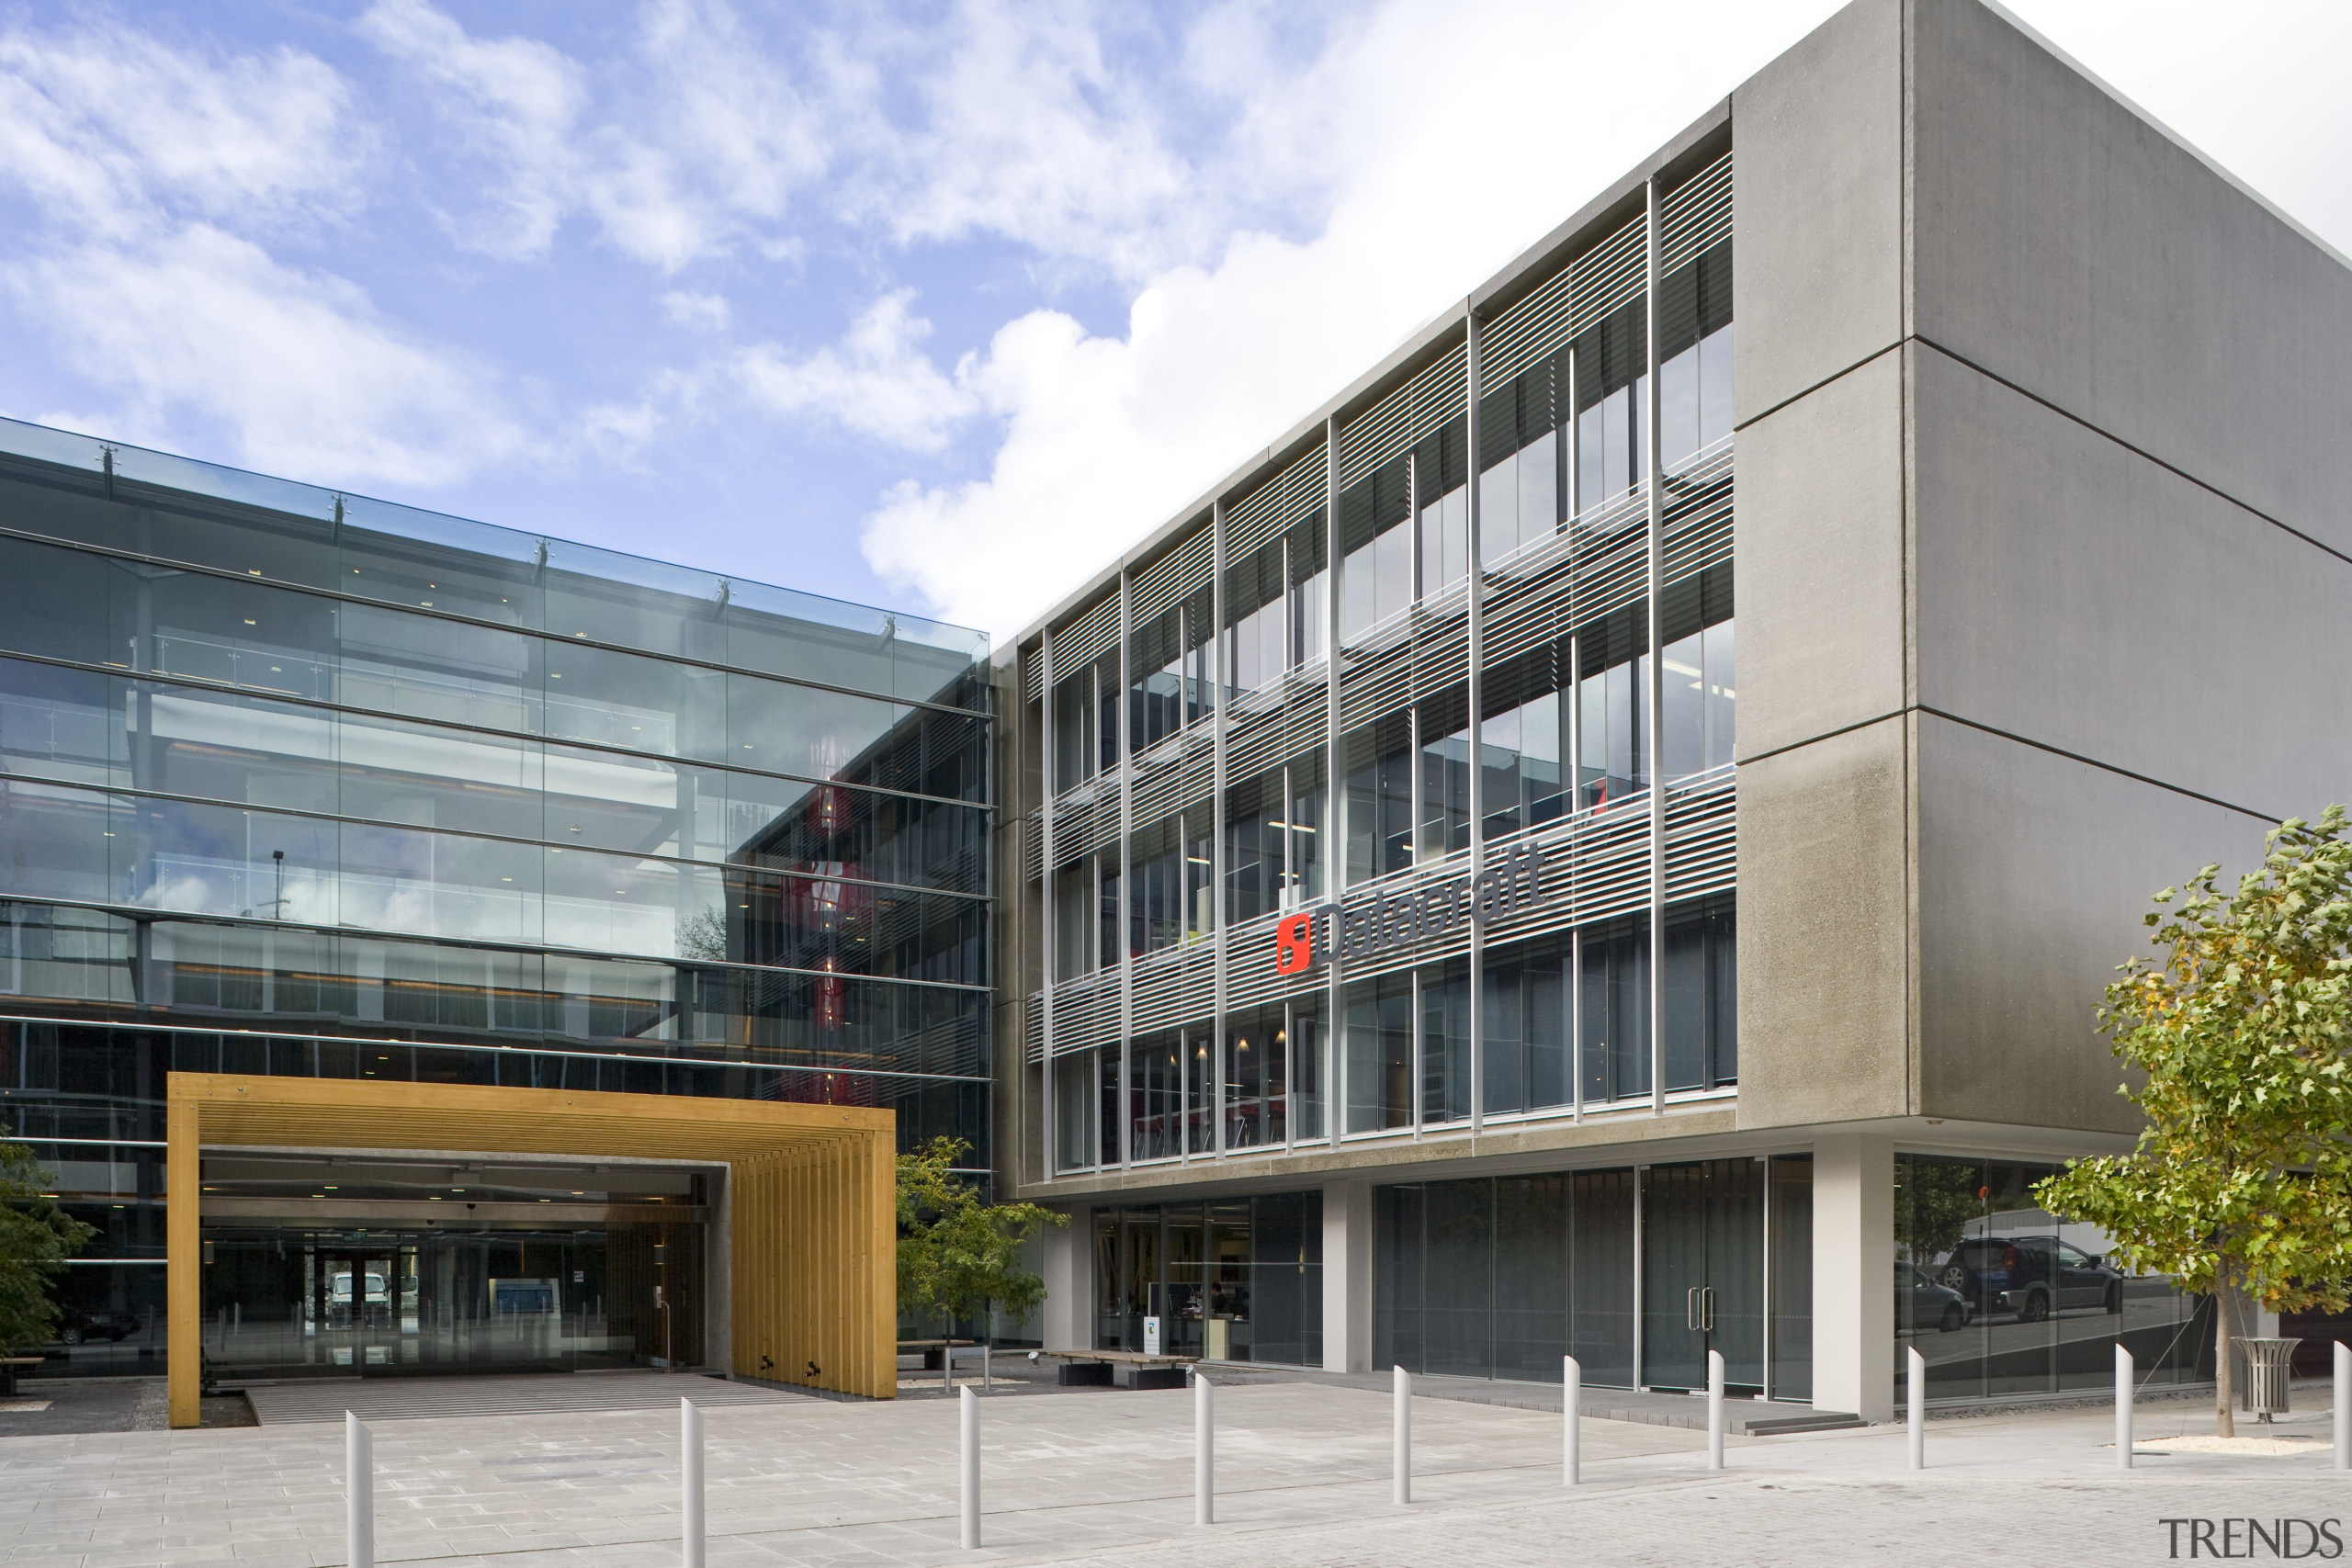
{"type": "Point", "coordinates": [356, 1306]}
{"type": "Point", "coordinates": [1703, 1273]}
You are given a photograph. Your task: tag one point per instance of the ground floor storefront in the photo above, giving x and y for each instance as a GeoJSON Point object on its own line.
{"type": "Point", "coordinates": [1808, 1269]}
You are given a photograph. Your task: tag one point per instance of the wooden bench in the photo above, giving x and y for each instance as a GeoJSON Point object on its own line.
{"type": "Point", "coordinates": [9, 1365]}
{"type": "Point", "coordinates": [1120, 1368]}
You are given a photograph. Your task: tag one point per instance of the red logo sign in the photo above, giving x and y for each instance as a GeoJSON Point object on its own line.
{"type": "Point", "coordinates": [1294, 943]}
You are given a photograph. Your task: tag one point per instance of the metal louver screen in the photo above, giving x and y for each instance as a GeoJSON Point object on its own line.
{"type": "Point", "coordinates": [1436, 394]}
{"type": "Point", "coordinates": [1185, 568]}
{"type": "Point", "coordinates": [1695, 215]}
{"type": "Point", "coordinates": [1261, 515]}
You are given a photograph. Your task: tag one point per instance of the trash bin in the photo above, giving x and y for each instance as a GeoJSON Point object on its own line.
{"type": "Point", "coordinates": [2267, 1362]}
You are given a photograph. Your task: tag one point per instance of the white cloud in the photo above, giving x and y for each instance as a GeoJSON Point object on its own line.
{"type": "Point", "coordinates": [685, 307]}
{"type": "Point", "coordinates": [877, 382]}
{"type": "Point", "coordinates": [1438, 134]}
{"type": "Point", "coordinates": [513, 102]}
{"type": "Point", "coordinates": [202, 325]}
{"type": "Point", "coordinates": [109, 130]}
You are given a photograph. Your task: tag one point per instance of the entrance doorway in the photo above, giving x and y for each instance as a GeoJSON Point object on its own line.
{"type": "Point", "coordinates": [1703, 1273]}
{"type": "Point", "coordinates": [355, 1302]}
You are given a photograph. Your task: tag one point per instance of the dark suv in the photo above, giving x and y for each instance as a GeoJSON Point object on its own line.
{"type": "Point", "coordinates": [2031, 1276]}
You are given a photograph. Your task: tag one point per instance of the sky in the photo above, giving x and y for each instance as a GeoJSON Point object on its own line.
{"type": "Point", "coordinates": [931, 306]}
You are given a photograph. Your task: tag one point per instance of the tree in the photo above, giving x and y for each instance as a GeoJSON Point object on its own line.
{"type": "Point", "coordinates": [36, 1238]}
{"type": "Point", "coordinates": [2240, 1185]}
{"type": "Point", "coordinates": [956, 1255]}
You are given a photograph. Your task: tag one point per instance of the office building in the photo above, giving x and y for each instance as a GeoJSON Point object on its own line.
{"type": "Point", "coordinates": [1606, 838]}
{"type": "Point", "coordinates": [509, 939]}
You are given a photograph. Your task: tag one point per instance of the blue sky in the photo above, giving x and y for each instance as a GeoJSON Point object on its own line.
{"type": "Point", "coordinates": [934, 305]}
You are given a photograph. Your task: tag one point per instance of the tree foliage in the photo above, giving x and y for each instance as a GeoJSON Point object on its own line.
{"type": "Point", "coordinates": [2242, 1180]}
{"type": "Point", "coordinates": [36, 1238]}
{"type": "Point", "coordinates": [958, 1256]}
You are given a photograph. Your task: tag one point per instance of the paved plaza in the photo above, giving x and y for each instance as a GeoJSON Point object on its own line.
{"type": "Point", "coordinates": [1081, 1477]}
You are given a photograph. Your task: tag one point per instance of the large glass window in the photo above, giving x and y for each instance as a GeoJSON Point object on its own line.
{"type": "Point", "coordinates": [1075, 922]}
{"type": "Point", "coordinates": [1257, 1088]}
{"type": "Point", "coordinates": [1444, 725]}
{"type": "Point", "coordinates": [1523, 746]}
{"type": "Point", "coordinates": [1611, 396]}
{"type": "Point", "coordinates": [1380, 1053]}
{"type": "Point", "coordinates": [2002, 1298]}
{"type": "Point", "coordinates": [1075, 747]}
{"type": "Point", "coordinates": [1253, 847]}
{"type": "Point", "coordinates": [1442, 502]}
{"type": "Point", "coordinates": [1695, 345]}
{"type": "Point", "coordinates": [1379, 760]}
{"type": "Point", "coordinates": [1522, 460]}
{"type": "Point", "coordinates": [1305, 832]}
{"type": "Point", "coordinates": [1377, 547]}
{"type": "Point", "coordinates": [1156, 897]}
{"type": "Point", "coordinates": [1698, 995]}
{"type": "Point", "coordinates": [1239, 1280]}
{"type": "Point", "coordinates": [1310, 589]}
{"type": "Point", "coordinates": [1445, 1042]}
{"type": "Point", "coordinates": [1155, 1096]}
{"type": "Point", "coordinates": [1613, 707]}
{"type": "Point", "coordinates": [1256, 640]}
{"type": "Point", "coordinates": [1614, 995]}
{"type": "Point", "coordinates": [1309, 1071]}
{"type": "Point", "coordinates": [1526, 1066]}
{"type": "Point", "coordinates": [1699, 679]}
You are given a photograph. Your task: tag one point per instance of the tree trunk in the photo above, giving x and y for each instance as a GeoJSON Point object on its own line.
{"type": "Point", "coordinates": [2224, 1309]}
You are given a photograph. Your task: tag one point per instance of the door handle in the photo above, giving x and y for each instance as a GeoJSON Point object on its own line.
{"type": "Point", "coordinates": [1691, 1308]}
{"type": "Point", "coordinates": [1707, 1308]}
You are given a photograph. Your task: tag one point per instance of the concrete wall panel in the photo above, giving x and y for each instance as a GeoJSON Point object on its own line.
{"type": "Point", "coordinates": [1824, 925]}
{"type": "Point", "coordinates": [1820, 560]}
{"type": "Point", "coordinates": [2073, 593]}
{"type": "Point", "coordinates": [1818, 208]}
{"type": "Point", "coordinates": [2034, 872]}
{"type": "Point", "coordinates": [2067, 245]}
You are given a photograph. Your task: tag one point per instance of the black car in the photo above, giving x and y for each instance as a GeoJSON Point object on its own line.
{"type": "Point", "coordinates": [1920, 1302]}
{"type": "Point", "coordinates": [76, 1328]}
{"type": "Point", "coordinates": [2031, 1276]}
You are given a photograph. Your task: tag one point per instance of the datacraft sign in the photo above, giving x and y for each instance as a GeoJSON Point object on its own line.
{"type": "Point", "coordinates": [1406, 919]}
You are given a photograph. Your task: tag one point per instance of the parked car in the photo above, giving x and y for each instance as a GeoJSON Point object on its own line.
{"type": "Point", "coordinates": [2031, 1276]}
{"type": "Point", "coordinates": [1919, 1300]}
{"type": "Point", "coordinates": [76, 1328]}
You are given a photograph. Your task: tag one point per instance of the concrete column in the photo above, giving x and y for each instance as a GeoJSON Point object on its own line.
{"type": "Point", "coordinates": [1068, 1269]}
{"type": "Point", "coordinates": [1347, 1276]}
{"type": "Point", "coordinates": [1853, 1268]}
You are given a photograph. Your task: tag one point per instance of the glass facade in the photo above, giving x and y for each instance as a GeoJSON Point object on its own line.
{"type": "Point", "coordinates": [1462, 619]}
{"type": "Point", "coordinates": [296, 781]}
{"type": "Point", "coordinates": [2004, 1299]}
{"type": "Point", "coordinates": [1238, 1279]}
{"type": "Point", "coordinates": [1638, 1273]}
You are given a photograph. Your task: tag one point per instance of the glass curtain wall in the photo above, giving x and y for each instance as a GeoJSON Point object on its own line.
{"type": "Point", "coordinates": [1499, 1277]}
{"type": "Point", "coordinates": [1235, 1279]}
{"type": "Point", "coordinates": [2003, 1298]}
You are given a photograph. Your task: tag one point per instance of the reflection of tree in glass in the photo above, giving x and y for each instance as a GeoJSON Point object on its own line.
{"type": "Point", "coordinates": [1933, 1208]}
{"type": "Point", "coordinates": [702, 935]}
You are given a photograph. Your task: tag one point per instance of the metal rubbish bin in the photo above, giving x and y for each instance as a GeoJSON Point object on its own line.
{"type": "Point", "coordinates": [2267, 1367]}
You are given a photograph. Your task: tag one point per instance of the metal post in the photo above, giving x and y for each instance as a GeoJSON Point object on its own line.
{"type": "Point", "coordinates": [1571, 1417]}
{"type": "Point", "coordinates": [987, 1367]}
{"type": "Point", "coordinates": [1204, 1452]}
{"type": "Point", "coordinates": [971, 1488]}
{"type": "Point", "coordinates": [690, 1531]}
{"type": "Point", "coordinates": [2342, 1414]}
{"type": "Point", "coordinates": [947, 1345]}
{"type": "Point", "coordinates": [359, 1493]}
{"type": "Point", "coordinates": [1714, 1410]}
{"type": "Point", "coordinates": [2122, 1407]}
{"type": "Point", "coordinates": [1917, 1390]}
{"type": "Point", "coordinates": [1401, 1459]}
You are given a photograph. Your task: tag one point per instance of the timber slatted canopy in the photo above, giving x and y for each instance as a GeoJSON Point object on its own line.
{"type": "Point", "coordinates": [812, 1223]}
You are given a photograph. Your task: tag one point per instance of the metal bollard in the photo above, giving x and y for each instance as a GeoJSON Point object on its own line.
{"type": "Point", "coordinates": [2122, 1407]}
{"type": "Point", "coordinates": [2342, 1414]}
{"type": "Point", "coordinates": [690, 1521]}
{"type": "Point", "coordinates": [1917, 1390]}
{"type": "Point", "coordinates": [1571, 1417]}
{"type": "Point", "coordinates": [1714, 1410]}
{"type": "Point", "coordinates": [359, 1493]}
{"type": "Point", "coordinates": [1204, 1452]}
{"type": "Point", "coordinates": [971, 1499]}
{"type": "Point", "coordinates": [1402, 1459]}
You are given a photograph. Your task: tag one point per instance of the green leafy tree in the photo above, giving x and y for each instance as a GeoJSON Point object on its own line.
{"type": "Point", "coordinates": [1932, 1213]}
{"type": "Point", "coordinates": [957, 1255]}
{"type": "Point", "coordinates": [36, 1238]}
{"type": "Point", "coordinates": [2240, 1186]}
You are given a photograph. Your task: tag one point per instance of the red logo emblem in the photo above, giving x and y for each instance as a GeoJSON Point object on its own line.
{"type": "Point", "coordinates": [1294, 944]}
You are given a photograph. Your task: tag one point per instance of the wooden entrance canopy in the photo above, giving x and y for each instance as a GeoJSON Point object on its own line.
{"type": "Point", "coordinates": [812, 1225]}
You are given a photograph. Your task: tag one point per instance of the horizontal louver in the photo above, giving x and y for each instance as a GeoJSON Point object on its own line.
{"type": "Point", "coordinates": [1439, 392]}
